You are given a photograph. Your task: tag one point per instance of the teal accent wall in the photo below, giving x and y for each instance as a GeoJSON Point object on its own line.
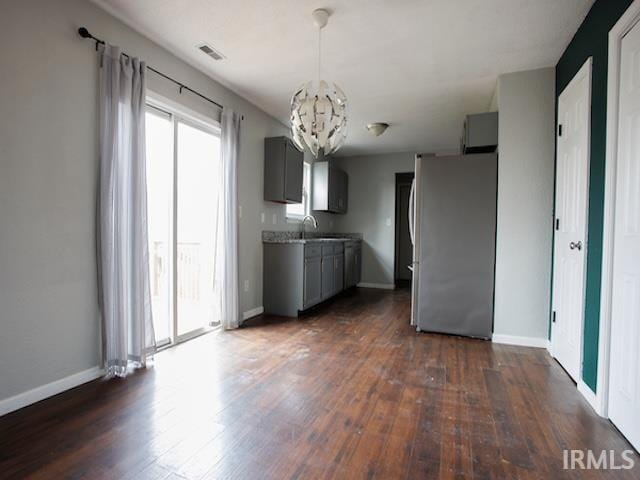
{"type": "Point", "coordinates": [592, 40]}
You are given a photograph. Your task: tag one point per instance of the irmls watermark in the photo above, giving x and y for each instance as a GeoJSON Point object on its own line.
{"type": "Point", "coordinates": [603, 460]}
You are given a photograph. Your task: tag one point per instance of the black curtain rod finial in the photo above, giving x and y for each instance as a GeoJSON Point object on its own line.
{"type": "Point", "coordinates": [84, 33]}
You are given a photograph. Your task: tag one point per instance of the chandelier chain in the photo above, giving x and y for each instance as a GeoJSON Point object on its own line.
{"type": "Point", "coordinates": [319, 54]}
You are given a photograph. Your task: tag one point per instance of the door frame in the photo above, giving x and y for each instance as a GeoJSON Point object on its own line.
{"type": "Point", "coordinates": [401, 179]}
{"type": "Point", "coordinates": [626, 22]}
{"type": "Point", "coordinates": [179, 114]}
{"type": "Point", "coordinates": [586, 69]}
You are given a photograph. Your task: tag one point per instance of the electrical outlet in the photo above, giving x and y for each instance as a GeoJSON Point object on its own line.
{"type": "Point", "coordinates": [246, 285]}
{"type": "Point", "coordinates": [262, 218]}
{"type": "Point", "coordinates": [388, 222]}
{"type": "Point", "coordinates": [274, 219]}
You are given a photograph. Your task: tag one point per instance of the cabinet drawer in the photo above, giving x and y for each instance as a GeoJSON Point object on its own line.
{"type": "Point", "coordinates": [312, 251]}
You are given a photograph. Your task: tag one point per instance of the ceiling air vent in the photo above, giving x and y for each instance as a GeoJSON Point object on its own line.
{"type": "Point", "coordinates": [212, 52]}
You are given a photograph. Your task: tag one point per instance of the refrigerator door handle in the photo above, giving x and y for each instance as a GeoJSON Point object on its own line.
{"type": "Point", "coordinates": [412, 211]}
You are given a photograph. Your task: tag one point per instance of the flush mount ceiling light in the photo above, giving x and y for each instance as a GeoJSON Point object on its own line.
{"type": "Point", "coordinates": [377, 129]}
{"type": "Point", "coordinates": [319, 112]}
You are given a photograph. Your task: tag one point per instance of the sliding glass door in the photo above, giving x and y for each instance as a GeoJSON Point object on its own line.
{"type": "Point", "coordinates": [159, 131]}
{"type": "Point", "coordinates": [183, 163]}
{"type": "Point", "coordinates": [198, 163]}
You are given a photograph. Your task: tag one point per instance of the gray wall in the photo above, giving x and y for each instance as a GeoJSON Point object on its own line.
{"type": "Point", "coordinates": [525, 202]}
{"type": "Point", "coordinates": [49, 319]}
{"type": "Point", "coordinates": [372, 183]}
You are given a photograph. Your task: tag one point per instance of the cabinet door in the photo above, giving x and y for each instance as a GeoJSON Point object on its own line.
{"type": "Point", "coordinates": [341, 191]}
{"type": "Point", "coordinates": [294, 169]}
{"type": "Point", "coordinates": [349, 267]}
{"type": "Point", "coordinates": [339, 273]}
{"type": "Point", "coordinates": [334, 190]}
{"type": "Point", "coordinates": [344, 184]}
{"type": "Point", "coordinates": [357, 260]}
{"type": "Point", "coordinates": [328, 276]}
{"type": "Point", "coordinates": [312, 281]}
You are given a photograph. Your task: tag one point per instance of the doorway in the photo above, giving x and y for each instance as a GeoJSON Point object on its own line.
{"type": "Point", "coordinates": [623, 285]}
{"type": "Point", "coordinates": [183, 159]}
{"type": "Point", "coordinates": [572, 184]}
{"type": "Point", "coordinates": [403, 246]}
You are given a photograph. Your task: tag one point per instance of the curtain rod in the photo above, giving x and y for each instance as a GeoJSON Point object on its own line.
{"type": "Point", "coordinates": [84, 33]}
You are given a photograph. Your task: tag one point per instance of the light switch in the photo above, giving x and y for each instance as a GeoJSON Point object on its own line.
{"type": "Point", "coordinates": [240, 211]}
{"type": "Point", "coordinates": [262, 217]}
{"type": "Point", "coordinates": [274, 219]}
{"type": "Point", "coordinates": [388, 222]}
{"type": "Point", "coordinates": [246, 285]}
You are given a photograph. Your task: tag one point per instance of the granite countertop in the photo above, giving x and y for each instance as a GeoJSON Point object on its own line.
{"type": "Point", "coordinates": [307, 240]}
{"type": "Point", "coordinates": [309, 237]}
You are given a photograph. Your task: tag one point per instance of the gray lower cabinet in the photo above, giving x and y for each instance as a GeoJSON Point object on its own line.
{"type": "Point", "coordinates": [358, 264]}
{"type": "Point", "coordinates": [349, 270]}
{"type": "Point", "coordinates": [312, 281]}
{"type": "Point", "coordinates": [352, 263]}
{"type": "Point", "coordinates": [328, 277]}
{"type": "Point", "coordinates": [298, 276]}
{"type": "Point", "coordinates": [338, 274]}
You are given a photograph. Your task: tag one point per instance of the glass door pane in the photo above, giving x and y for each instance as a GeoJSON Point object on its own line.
{"type": "Point", "coordinates": [198, 170]}
{"type": "Point", "coordinates": [159, 142]}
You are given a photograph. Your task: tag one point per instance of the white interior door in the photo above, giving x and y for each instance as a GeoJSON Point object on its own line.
{"type": "Point", "coordinates": [572, 175]}
{"type": "Point", "coordinates": [624, 376]}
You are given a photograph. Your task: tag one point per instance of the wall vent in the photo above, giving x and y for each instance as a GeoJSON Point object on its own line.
{"type": "Point", "coordinates": [212, 52]}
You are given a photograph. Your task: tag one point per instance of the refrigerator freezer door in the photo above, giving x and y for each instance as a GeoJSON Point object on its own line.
{"type": "Point", "coordinates": [411, 213]}
{"type": "Point", "coordinates": [415, 236]}
{"type": "Point", "coordinates": [457, 218]}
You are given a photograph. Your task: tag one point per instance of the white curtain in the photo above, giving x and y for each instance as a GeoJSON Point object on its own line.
{"type": "Point", "coordinates": [123, 264]}
{"type": "Point", "coordinates": [228, 221]}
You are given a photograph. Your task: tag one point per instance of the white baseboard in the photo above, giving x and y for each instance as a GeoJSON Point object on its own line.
{"type": "Point", "coordinates": [382, 286]}
{"type": "Point", "coordinates": [49, 390]}
{"type": "Point", "coordinates": [590, 396]}
{"type": "Point", "coordinates": [520, 341]}
{"type": "Point", "coordinates": [252, 313]}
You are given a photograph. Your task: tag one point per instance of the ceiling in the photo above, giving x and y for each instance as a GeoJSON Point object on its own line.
{"type": "Point", "coordinates": [419, 65]}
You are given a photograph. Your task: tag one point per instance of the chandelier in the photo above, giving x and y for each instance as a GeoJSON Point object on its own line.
{"type": "Point", "coordinates": [319, 117]}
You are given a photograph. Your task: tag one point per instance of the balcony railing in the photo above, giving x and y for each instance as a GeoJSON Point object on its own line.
{"type": "Point", "coordinates": [189, 269]}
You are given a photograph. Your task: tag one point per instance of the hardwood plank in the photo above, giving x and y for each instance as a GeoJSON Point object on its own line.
{"type": "Point", "coordinates": [349, 390]}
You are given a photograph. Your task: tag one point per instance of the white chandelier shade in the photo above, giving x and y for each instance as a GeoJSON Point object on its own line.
{"type": "Point", "coordinates": [319, 119]}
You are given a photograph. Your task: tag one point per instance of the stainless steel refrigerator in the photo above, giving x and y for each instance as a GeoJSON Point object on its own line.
{"type": "Point", "coordinates": [452, 218]}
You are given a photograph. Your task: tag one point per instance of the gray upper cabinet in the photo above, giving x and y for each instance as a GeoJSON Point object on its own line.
{"type": "Point", "coordinates": [480, 133]}
{"type": "Point", "coordinates": [330, 188]}
{"type": "Point", "coordinates": [283, 170]}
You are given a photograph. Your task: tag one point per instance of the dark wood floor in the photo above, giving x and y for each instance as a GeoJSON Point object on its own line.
{"type": "Point", "coordinates": [349, 391]}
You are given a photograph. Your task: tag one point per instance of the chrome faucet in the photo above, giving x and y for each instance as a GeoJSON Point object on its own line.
{"type": "Point", "coordinates": [313, 219]}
